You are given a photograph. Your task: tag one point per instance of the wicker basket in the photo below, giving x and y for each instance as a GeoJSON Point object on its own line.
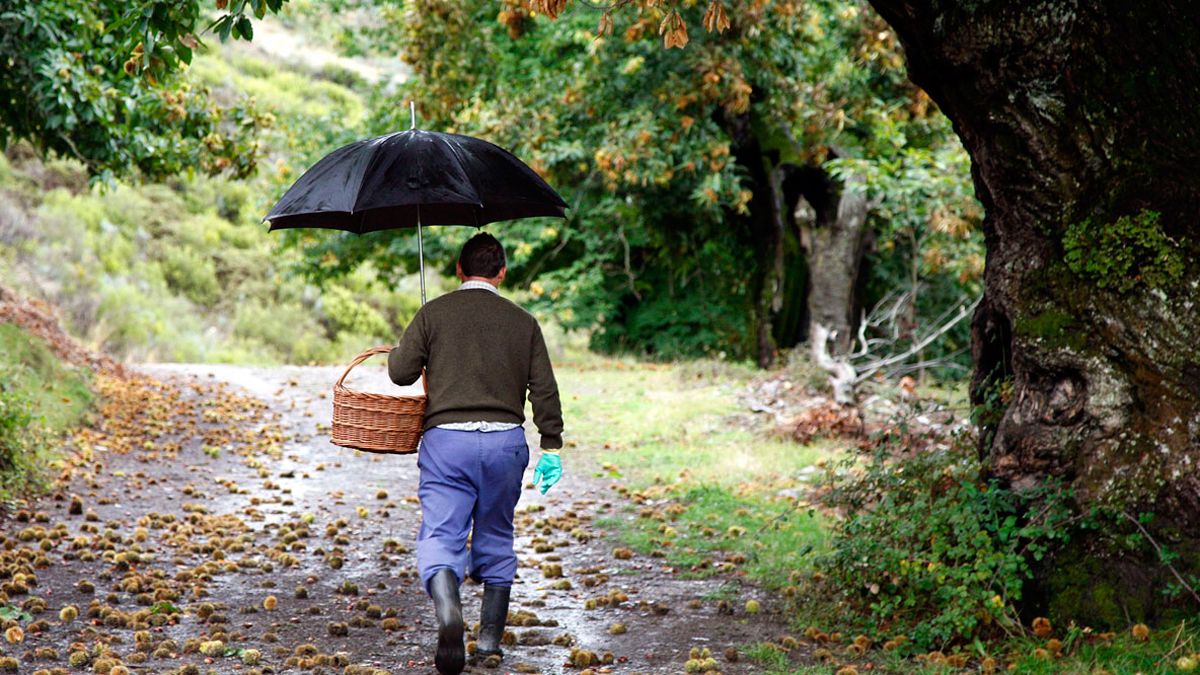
{"type": "Point", "coordinates": [376, 422]}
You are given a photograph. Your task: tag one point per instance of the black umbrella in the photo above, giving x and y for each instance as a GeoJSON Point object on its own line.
{"type": "Point", "coordinates": [414, 178]}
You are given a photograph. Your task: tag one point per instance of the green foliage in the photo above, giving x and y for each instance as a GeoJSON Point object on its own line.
{"type": "Point", "coordinates": [192, 274]}
{"type": "Point", "coordinates": [347, 313]}
{"type": "Point", "coordinates": [156, 272]}
{"type": "Point", "coordinates": [304, 114]}
{"type": "Point", "coordinates": [98, 81]}
{"type": "Point", "coordinates": [351, 27]}
{"type": "Point", "coordinates": [666, 326]}
{"type": "Point", "coordinates": [40, 398]}
{"type": "Point", "coordinates": [930, 549]}
{"type": "Point", "coordinates": [1124, 253]}
{"type": "Point", "coordinates": [768, 655]}
{"type": "Point", "coordinates": [1169, 649]}
{"type": "Point", "coordinates": [719, 487]}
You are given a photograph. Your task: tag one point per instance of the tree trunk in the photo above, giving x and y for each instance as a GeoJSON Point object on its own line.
{"type": "Point", "coordinates": [764, 226]}
{"type": "Point", "coordinates": [1083, 125]}
{"type": "Point", "coordinates": [835, 237]}
{"type": "Point", "coordinates": [770, 247]}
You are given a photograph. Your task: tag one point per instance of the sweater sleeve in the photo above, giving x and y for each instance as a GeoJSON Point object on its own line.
{"type": "Point", "coordinates": [406, 359]}
{"type": "Point", "coordinates": [543, 393]}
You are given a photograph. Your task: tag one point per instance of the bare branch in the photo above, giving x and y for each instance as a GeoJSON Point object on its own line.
{"type": "Point", "coordinates": [873, 367]}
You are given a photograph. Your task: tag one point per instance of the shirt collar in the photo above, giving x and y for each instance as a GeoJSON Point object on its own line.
{"type": "Point", "coordinates": [482, 285]}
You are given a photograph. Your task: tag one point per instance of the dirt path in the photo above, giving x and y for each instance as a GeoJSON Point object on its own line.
{"type": "Point", "coordinates": [200, 516]}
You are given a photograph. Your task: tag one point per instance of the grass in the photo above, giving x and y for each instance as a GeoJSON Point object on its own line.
{"type": "Point", "coordinates": [40, 399]}
{"type": "Point", "coordinates": [677, 433]}
{"type": "Point", "coordinates": [655, 421]}
{"type": "Point", "coordinates": [1161, 654]}
{"type": "Point", "coordinates": [59, 393]}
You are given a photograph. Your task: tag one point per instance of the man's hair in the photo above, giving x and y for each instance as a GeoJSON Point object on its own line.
{"type": "Point", "coordinates": [482, 256]}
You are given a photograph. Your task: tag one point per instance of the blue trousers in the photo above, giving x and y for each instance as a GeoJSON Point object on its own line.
{"type": "Point", "coordinates": [470, 483]}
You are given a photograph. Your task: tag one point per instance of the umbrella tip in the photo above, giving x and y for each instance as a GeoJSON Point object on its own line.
{"type": "Point", "coordinates": [412, 109]}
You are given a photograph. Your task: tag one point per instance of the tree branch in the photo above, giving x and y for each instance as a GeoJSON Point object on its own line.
{"type": "Point", "coordinates": [874, 367]}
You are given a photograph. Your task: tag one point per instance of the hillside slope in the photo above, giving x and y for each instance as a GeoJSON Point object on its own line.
{"type": "Point", "coordinates": [185, 270]}
{"type": "Point", "coordinates": [45, 390]}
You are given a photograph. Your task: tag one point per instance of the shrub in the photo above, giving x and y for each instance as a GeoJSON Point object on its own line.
{"type": "Point", "coordinates": [288, 329]}
{"type": "Point", "coordinates": [141, 320]}
{"type": "Point", "coordinates": [192, 274]}
{"type": "Point", "coordinates": [930, 549]}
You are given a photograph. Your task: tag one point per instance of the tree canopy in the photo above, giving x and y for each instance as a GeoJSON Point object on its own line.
{"type": "Point", "coordinates": [99, 81]}
{"type": "Point", "coordinates": [664, 156]}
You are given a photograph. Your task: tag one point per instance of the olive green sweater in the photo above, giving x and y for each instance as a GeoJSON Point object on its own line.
{"type": "Point", "coordinates": [481, 353]}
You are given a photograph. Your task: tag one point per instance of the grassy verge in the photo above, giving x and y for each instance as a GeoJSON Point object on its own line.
{"type": "Point", "coordinates": [707, 492]}
{"type": "Point", "coordinates": [40, 399]}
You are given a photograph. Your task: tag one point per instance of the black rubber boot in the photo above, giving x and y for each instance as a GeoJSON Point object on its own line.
{"type": "Point", "coordinates": [451, 658]}
{"type": "Point", "coordinates": [493, 615]}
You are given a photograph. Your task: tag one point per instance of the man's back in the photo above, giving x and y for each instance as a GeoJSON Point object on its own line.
{"type": "Point", "coordinates": [481, 353]}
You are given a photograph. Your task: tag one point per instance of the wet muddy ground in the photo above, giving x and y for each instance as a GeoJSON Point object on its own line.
{"type": "Point", "coordinates": [209, 526]}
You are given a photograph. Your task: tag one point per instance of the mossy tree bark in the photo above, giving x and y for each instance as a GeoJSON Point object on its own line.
{"type": "Point", "coordinates": [1083, 124]}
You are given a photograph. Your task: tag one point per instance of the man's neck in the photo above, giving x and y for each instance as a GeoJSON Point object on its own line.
{"type": "Point", "coordinates": [494, 282]}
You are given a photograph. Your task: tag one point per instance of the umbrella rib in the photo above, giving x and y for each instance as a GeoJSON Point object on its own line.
{"type": "Point", "coordinates": [366, 171]}
{"type": "Point", "coordinates": [461, 167]}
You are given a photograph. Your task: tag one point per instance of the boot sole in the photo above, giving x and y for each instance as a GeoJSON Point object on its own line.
{"type": "Point", "coordinates": [451, 657]}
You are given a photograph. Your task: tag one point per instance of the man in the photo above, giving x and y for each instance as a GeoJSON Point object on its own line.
{"type": "Point", "coordinates": [481, 354]}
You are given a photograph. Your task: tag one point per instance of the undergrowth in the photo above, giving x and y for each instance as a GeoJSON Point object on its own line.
{"type": "Point", "coordinates": [929, 549]}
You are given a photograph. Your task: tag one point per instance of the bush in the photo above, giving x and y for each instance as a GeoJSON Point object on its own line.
{"type": "Point", "coordinates": [192, 274]}
{"type": "Point", "coordinates": [143, 321]}
{"type": "Point", "coordinates": [287, 329]}
{"type": "Point", "coordinates": [343, 312]}
{"type": "Point", "coordinates": [930, 549]}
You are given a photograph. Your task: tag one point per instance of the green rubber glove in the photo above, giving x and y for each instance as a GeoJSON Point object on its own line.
{"type": "Point", "coordinates": [547, 471]}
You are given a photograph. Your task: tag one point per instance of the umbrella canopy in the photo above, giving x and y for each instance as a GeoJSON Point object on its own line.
{"type": "Point", "coordinates": [412, 178]}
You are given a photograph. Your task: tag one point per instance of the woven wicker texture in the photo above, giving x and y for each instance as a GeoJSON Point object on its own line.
{"type": "Point", "coordinates": [376, 422]}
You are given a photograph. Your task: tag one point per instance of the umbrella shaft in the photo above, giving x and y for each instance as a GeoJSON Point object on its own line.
{"type": "Point", "coordinates": [421, 256]}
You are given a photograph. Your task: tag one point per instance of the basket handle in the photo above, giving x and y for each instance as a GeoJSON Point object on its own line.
{"type": "Point", "coordinates": [368, 354]}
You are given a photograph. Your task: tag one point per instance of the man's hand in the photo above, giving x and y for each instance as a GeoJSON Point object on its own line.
{"type": "Point", "coordinates": [548, 470]}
